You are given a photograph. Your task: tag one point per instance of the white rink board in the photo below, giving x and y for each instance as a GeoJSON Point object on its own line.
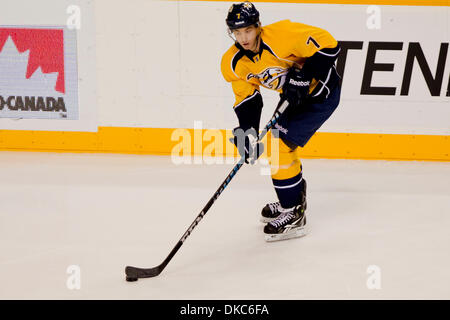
{"type": "Point", "coordinates": [157, 64]}
{"type": "Point", "coordinates": [172, 68]}
{"type": "Point", "coordinates": [58, 13]}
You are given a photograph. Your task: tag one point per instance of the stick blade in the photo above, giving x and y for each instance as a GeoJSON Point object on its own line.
{"type": "Point", "coordinates": [134, 273]}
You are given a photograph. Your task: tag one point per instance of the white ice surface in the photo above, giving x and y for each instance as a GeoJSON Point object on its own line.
{"type": "Point", "coordinates": [103, 212]}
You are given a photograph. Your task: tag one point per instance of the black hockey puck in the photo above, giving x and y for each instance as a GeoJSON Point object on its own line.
{"type": "Point", "coordinates": [131, 279]}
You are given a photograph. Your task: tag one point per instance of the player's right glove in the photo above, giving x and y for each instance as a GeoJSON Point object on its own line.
{"type": "Point", "coordinates": [296, 86]}
{"type": "Point", "coordinates": [247, 144]}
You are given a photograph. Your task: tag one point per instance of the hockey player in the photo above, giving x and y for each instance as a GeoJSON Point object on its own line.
{"type": "Point", "coordinates": [298, 61]}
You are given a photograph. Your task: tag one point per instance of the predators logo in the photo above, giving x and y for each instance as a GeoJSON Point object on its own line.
{"type": "Point", "coordinates": [271, 78]}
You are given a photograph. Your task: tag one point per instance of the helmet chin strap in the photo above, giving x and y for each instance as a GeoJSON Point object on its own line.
{"type": "Point", "coordinates": [230, 34]}
{"type": "Point", "coordinates": [258, 40]}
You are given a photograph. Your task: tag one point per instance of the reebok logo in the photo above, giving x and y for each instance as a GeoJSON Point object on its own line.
{"type": "Point", "coordinates": [299, 83]}
{"type": "Point", "coordinates": [280, 128]}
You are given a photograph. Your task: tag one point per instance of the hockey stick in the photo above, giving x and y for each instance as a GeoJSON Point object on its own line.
{"type": "Point", "coordinates": [134, 273]}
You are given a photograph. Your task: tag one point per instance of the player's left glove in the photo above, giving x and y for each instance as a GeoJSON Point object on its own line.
{"type": "Point", "coordinates": [296, 86]}
{"type": "Point", "coordinates": [247, 144]}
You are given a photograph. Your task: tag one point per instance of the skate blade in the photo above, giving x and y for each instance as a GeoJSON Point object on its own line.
{"type": "Point", "coordinates": [299, 232]}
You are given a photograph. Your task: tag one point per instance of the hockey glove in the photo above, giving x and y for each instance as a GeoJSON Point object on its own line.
{"type": "Point", "coordinates": [296, 86]}
{"type": "Point", "coordinates": [247, 144]}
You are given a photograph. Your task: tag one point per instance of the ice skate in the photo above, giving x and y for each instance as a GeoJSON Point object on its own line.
{"type": "Point", "coordinates": [291, 223]}
{"type": "Point", "coordinates": [270, 212]}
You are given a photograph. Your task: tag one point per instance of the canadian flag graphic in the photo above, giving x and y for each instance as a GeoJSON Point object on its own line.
{"type": "Point", "coordinates": [33, 73]}
{"type": "Point", "coordinates": [45, 50]}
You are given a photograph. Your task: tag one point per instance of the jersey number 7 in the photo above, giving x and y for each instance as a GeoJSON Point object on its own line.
{"type": "Point", "coordinates": [311, 39]}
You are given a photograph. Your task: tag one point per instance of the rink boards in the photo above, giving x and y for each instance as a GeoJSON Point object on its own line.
{"type": "Point", "coordinates": [148, 69]}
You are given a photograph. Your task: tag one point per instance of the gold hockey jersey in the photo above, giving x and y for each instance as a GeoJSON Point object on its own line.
{"type": "Point", "coordinates": [283, 44]}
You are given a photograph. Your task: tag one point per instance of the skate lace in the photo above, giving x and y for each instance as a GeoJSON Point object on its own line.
{"type": "Point", "coordinates": [282, 219]}
{"type": "Point", "coordinates": [274, 206]}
